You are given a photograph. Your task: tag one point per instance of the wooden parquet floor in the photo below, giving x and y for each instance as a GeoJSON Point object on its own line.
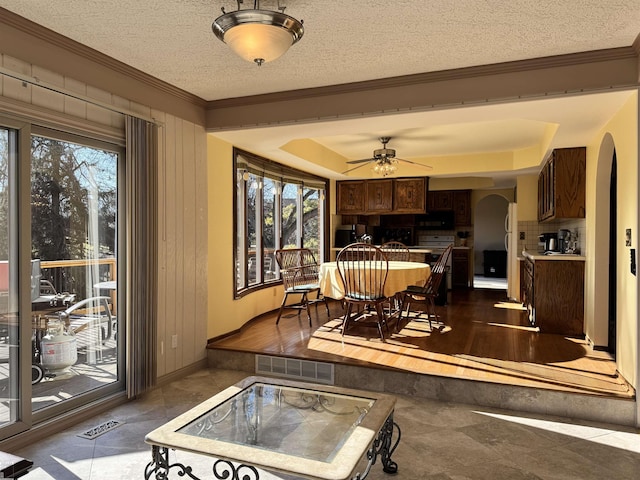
{"type": "Point", "coordinates": [478, 337]}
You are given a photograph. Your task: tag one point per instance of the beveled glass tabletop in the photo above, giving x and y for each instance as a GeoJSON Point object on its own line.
{"type": "Point", "coordinates": [305, 429]}
{"type": "Point", "coordinates": [295, 421]}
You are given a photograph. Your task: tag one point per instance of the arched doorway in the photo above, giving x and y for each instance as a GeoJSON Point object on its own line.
{"type": "Point", "coordinates": [601, 327]}
{"type": "Point", "coordinates": [613, 255]}
{"type": "Point", "coordinates": [489, 242]}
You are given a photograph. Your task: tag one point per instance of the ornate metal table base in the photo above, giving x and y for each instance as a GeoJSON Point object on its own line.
{"type": "Point", "coordinates": [224, 470]}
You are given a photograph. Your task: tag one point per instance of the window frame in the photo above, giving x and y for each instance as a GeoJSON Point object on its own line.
{"type": "Point", "coordinates": [250, 167]}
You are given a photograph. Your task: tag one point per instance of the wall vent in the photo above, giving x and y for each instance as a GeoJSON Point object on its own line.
{"type": "Point", "coordinates": [293, 368]}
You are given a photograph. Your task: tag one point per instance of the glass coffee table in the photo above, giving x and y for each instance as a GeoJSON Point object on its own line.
{"type": "Point", "coordinates": [302, 429]}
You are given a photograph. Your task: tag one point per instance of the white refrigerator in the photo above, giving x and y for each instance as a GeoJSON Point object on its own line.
{"type": "Point", "coordinates": [511, 246]}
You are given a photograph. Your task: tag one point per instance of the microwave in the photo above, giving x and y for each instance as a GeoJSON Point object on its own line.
{"type": "Point", "coordinates": [344, 238]}
{"type": "Point", "coordinates": [444, 220]}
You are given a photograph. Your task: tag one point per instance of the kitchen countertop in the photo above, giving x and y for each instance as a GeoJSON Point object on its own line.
{"type": "Point", "coordinates": [411, 249]}
{"type": "Point", "coordinates": [563, 256]}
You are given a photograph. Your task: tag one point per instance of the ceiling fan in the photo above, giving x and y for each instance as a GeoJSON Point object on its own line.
{"type": "Point", "coordinates": [385, 160]}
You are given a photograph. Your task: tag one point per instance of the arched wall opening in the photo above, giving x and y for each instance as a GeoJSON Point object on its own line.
{"type": "Point", "coordinates": [597, 327]}
{"type": "Point", "coordinates": [488, 228]}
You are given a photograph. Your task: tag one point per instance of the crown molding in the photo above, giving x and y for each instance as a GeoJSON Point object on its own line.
{"type": "Point", "coordinates": [567, 60]}
{"type": "Point", "coordinates": [38, 31]}
{"type": "Point", "coordinates": [636, 45]}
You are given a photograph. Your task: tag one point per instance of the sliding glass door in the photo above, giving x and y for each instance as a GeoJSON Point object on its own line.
{"type": "Point", "coordinates": [13, 413]}
{"type": "Point", "coordinates": [59, 342]}
{"type": "Point", "coordinates": [74, 218]}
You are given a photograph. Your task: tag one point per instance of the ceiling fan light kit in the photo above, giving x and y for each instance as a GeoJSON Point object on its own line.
{"type": "Point", "coordinates": [385, 167]}
{"type": "Point", "coordinates": [384, 160]}
{"type": "Point", "coordinates": [257, 35]}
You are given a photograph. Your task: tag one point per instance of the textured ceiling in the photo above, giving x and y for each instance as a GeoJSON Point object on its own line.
{"type": "Point", "coordinates": [344, 41]}
{"type": "Point", "coordinates": [357, 40]}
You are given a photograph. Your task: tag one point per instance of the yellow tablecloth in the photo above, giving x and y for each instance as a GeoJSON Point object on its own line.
{"type": "Point", "coordinates": [399, 277]}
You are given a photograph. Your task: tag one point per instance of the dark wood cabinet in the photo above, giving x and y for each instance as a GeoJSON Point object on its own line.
{"type": "Point", "coordinates": [379, 196]}
{"type": "Point", "coordinates": [440, 201]}
{"type": "Point", "coordinates": [462, 207]}
{"type": "Point", "coordinates": [410, 195]}
{"type": "Point", "coordinates": [460, 268]}
{"type": "Point", "coordinates": [526, 288]}
{"type": "Point", "coordinates": [383, 196]}
{"type": "Point", "coordinates": [458, 201]}
{"type": "Point", "coordinates": [562, 185]}
{"type": "Point", "coordinates": [351, 197]}
{"type": "Point", "coordinates": [553, 292]}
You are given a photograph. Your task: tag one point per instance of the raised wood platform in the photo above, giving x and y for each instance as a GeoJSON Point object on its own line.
{"type": "Point", "coordinates": [480, 338]}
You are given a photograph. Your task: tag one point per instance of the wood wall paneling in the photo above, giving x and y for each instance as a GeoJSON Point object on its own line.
{"type": "Point", "coordinates": [201, 245]}
{"type": "Point", "coordinates": [187, 318]}
{"type": "Point", "coordinates": [182, 203]}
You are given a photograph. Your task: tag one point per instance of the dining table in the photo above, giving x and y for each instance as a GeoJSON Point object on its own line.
{"type": "Point", "coordinates": [400, 275]}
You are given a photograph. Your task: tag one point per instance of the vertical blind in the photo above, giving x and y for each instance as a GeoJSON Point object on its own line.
{"type": "Point", "coordinates": [141, 254]}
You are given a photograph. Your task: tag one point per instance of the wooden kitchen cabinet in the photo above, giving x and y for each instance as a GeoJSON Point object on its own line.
{"type": "Point", "coordinates": [382, 196]}
{"type": "Point", "coordinates": [562, 185]}
{"type": "Point", "coordinates": [410, 195]}
{"type": "Point", "coordinates": [460, 268]}
{"type": "Point", "coordinates": [458, 201]}
{"type": "Point", "coordinates": [553, 293]}
{"type": "Point", "coordinates": [462, 207]}
{"type": "Point", "coordinates": [379, 196]}
{"type": "Point", "coordinates": [351, 197]}
{"type": "Point", "coordinates": [440, 201]}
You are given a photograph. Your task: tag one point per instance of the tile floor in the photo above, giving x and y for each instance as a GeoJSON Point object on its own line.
{"type": "Point", "coordinates": [440, 441]}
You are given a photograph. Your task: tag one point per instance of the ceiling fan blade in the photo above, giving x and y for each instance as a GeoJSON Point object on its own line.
{"type": "Point", "coordinates": [354, 168]}
{"type": "Point", "coordinates": [428, 167]}
{"type": "Point", "coordinates": [362, 160]}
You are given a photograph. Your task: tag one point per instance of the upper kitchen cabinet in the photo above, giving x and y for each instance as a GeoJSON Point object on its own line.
{"type": "Point", "coordinates": [351, 197]}
{"type": "Point", "coordinates": [410, 195]}
{"type": "Point", "coordinates": [440, 201]}
{"type": "Point", "coordinates": [458, 201]}
{"type": "Point", "coordinates": [561, 185]}
{"type": "Point", "coordinates": [462, 207]}
{"type": "Point", "coordinates": [383, 196]}
{"type": "Point", "coordinates": [379, 196]}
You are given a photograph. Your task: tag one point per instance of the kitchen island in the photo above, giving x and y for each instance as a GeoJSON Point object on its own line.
{"type": "Point", "coordinates": [553, 292]}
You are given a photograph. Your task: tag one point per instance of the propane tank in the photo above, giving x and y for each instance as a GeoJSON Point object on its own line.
{"type": "Point", "coordinates": [58, 347]}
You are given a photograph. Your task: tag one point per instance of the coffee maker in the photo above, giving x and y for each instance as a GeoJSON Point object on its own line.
{"type": "Point", "coordinates": [548, 242]}
{"type": "Point", "coordinates": [564, 240]}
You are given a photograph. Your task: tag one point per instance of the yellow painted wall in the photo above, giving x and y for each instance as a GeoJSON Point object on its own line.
{"type": "Point", "coordinates": [527, 198]}
{"type": "Point", "coordinates": [225, 313]}
{"type": "Point", "coordinates": [478, 195]}
{"type": "Point", "coordinates": [623, 128]}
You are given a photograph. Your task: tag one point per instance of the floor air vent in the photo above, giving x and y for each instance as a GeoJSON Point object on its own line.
{"type": "Point", "coordinates": [292, 368]}
{"type": "Point", "coordinates": [100, 429]}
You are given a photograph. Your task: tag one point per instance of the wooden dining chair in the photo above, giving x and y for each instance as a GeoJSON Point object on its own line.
{"type": "Point", "coordinates": [396, 251]}
{"type": "Point", "coordinates": [426, 294]}
{"type": "Point", "coordinates": [300, 276]}
{"type": "Point", "coordinates": [363, 269]}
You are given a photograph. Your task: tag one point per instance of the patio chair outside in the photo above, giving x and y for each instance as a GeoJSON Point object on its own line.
{"type": "Point", "coordinates": [92, 322]}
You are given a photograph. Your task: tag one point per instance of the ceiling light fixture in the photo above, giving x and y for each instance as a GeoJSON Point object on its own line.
{"type": "Point", "coordinates": [258, 35]}
{"type": "Point", "coordinates": [385, 166]}
{"type": "Point", "coordinates": [385, 159]}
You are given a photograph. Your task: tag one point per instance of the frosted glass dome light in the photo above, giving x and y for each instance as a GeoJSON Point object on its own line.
{"type": "Point", "coordinates": [258, 35]}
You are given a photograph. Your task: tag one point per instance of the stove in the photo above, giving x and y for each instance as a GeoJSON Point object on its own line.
{"type": "Point", "coordinates": [437, 244]}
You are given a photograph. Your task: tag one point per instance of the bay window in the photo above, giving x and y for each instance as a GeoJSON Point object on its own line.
{"type": "Point", "coordinates": [275, 207]}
